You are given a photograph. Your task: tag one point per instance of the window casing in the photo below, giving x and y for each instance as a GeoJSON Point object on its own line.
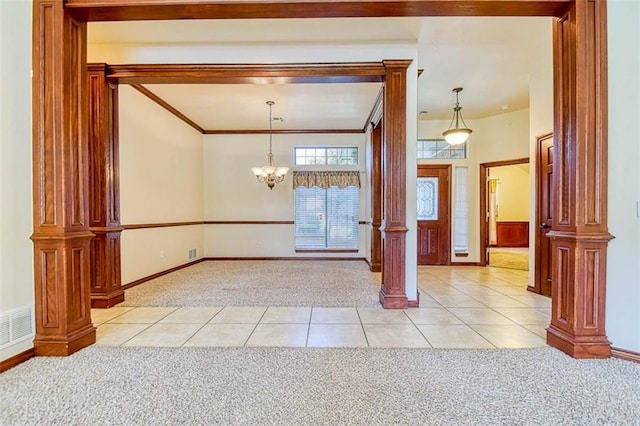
{"type": "Point", "coordinates": [326, 156]}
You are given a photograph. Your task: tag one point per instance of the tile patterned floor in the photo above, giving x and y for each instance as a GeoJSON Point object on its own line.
{"type": "Point", "coordinates": [460, 307]}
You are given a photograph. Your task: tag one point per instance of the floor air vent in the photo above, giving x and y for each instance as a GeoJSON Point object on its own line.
{"type": "Point", "coordinates": [16, 326]}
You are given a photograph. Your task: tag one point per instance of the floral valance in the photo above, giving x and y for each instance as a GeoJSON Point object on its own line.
{"type": "Point", "coordinates": [325, 179]}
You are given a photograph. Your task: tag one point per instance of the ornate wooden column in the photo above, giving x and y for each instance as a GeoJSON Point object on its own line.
{"type": "Point", "coordinates": [580, 236]}
{"type": "Point", "coordinates": [394, 229]}
{"type": "Point", "coordinates": [376, 198]}
{"type": "Point", "coordinates": [104, 189]}
{"type": "Point", "coordinates": [61, 225]}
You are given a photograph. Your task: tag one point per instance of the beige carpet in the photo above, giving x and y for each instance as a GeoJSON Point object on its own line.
{"type": "Point", "coordinates": [262, 283]}
{"type": "Point", "coordinates": [509, 258]}
{"type": "Point", "coordinates": [304, 386]}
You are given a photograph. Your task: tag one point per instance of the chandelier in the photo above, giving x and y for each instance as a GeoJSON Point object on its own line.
{"type": "Point", "coordinates": [457, 135]}
{"type": "Point", "coordinates": [270, 174]}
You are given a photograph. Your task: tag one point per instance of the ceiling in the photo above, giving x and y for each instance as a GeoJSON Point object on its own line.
{"type": "Point", "coordinates": [489, 57]}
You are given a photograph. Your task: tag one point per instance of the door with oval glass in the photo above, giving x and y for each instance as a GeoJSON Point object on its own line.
{"type": "Point", "coordinates": [434, 226]}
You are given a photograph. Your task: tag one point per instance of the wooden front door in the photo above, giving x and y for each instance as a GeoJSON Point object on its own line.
{"type": "Point", "coordinates": [434, 229]}
{"type": "Point", "coordinates": [544, 216]}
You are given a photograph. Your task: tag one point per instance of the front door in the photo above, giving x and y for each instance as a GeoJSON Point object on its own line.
{"type": "Point", "coordinates": [434, 228]}
{"type": "Point", "coordinates": [544, 215]}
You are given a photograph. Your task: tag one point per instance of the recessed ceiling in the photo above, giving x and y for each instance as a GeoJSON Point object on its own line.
{"type": "Point", "coordinates": [490, 57]}
{"type": "Point", "coordinates": [243, 106]}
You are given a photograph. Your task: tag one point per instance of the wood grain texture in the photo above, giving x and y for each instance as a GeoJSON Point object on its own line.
{"type": "Point", "coordinates": [376, 198]}
{"type": "Point", "coordinates": [394, 146]}
{"type": "Point", "coordinates": [17, 359]}
{"type": "Point", "coordinates": [625, 354]}
{"type": "Point", "coordinates": [121, 10]}
{"type": "Point", "coordinates": [60, 183]}
{"type": "Point", "coordinates": [512, 234]}
{"type": "Point", "coordinates": [104, 189]}
{"type": "Point", "coordinates": [361, 72]}
{"type": "Point", "coordinates": [580, 236]}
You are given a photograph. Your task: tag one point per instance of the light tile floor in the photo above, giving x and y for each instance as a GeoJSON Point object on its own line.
{"type": "Point", "coordinates": [460, 307]}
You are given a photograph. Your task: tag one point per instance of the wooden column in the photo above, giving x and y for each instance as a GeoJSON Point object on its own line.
{"type": "Point", "coordinates": [376, 198]}
{"type": "Point", "coordinates": [580, 236]}
{"type": "Point", "coordinates": [60, 221]}
{"type": "Point", "coordinates": [104, 190]}
{"type": "Point", "coordinates": [394, 159]}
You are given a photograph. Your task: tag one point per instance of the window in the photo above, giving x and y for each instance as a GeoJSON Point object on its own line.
{"type": "Point", "coordinates": [439, 148]}
{"type": "Point", "coordinates": [326, 156]}
{"type": "Point", "coordinates": [326, 218]}
{"type": "Point", "coordinates": [460, 237]}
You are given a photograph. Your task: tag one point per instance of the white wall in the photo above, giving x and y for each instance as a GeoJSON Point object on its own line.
{"type": "Point", "coordinates": [16, 250]}
{"type": "Point", "coordinates": [496, 138]}
{"type": "Point", "coordinates": [232, 193]}
{"type": "Point", "coordinates": [623, 268]}
{"type": "Point", "coordinates": [160, 181]}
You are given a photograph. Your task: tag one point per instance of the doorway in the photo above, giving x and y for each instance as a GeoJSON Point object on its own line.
{"type": "Point", "coordinates": [544, 215]}
{"type": "Point", "coordinates": [434, 223]}
{"type": "Point", "coordinates": [504, 211]}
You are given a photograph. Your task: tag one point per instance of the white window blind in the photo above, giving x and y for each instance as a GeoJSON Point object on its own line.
{"type": "Point", "coordinates": [461, 217]}
{"type": "Point", "coordinates": [326, 218]}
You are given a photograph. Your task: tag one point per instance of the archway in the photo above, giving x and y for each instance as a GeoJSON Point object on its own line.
{"type": "Point", "coordinates": [579, 238]}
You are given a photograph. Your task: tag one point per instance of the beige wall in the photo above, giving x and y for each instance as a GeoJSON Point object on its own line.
{"type": "Point", "coordinates": [623, 273]}
{"type": "Point", "coordinates": [496, 138]}
{"type": "Point", "coordinates": [232, 193]}
{"type": "Point", "coordinates": [16, 250]}
{"type": "Point", "coordinates": [512, 192]}
{"type": "Point", "coordinates": [288, 53]}
{"type": "Point", "coordinates": [160, 181]}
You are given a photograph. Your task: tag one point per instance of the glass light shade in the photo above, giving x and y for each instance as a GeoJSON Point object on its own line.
{"type": "Point", "coordinates": [281, 171]}
{"type": "Point", "coordinates": [456, 136]}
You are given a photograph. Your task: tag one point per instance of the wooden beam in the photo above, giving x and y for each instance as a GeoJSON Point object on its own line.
{"type": "Point", "coordinates": [157, 99]}
{"type": "Point", "coordinates": [138, 10]}
{"type": "Point", "coordinates": [364, 72]}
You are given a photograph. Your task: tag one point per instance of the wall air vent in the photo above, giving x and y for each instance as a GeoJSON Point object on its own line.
{"type": "Point", "coordinates": [193, 253]}
{"type": "Point", "coordinates": [16, 325]}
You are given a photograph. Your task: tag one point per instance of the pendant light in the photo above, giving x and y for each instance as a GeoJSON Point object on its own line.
{"type": "Point", "coordinates": [457, 135]}
{"type": "Point", "coordinates": [270, 174]}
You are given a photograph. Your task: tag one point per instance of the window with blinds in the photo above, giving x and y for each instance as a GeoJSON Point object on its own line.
{"type": "Point", "coordinates": [326, 218]}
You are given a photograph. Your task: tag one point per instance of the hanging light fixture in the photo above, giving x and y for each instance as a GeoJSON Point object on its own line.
{"type": "Point", "coordinates": [457, 135]}
{"type": "Point", "coordinates": [270, 174]}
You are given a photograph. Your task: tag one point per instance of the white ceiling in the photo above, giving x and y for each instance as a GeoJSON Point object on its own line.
{"type": "Point", "coordinates": [489, 57]}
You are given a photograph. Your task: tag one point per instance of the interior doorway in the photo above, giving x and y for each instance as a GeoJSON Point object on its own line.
{"type": "Point", "coordinates": [434, 221]}
{"type": "Point", "coordinates": [544, 215]}
{"type": "Point", "coordinates": [505, 218]}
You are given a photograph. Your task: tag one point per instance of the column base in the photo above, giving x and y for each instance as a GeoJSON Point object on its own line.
{"type": "Point", "coordinates": [105, 301]}
{"type": "Point", "coordinates": [375, 267]}
{"type": "Point", "coordinates": [391, 301]}
{"type": "Point", "coordinates": [65, 345]}
{"type": "Point", "coordinates": [577, 347]}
